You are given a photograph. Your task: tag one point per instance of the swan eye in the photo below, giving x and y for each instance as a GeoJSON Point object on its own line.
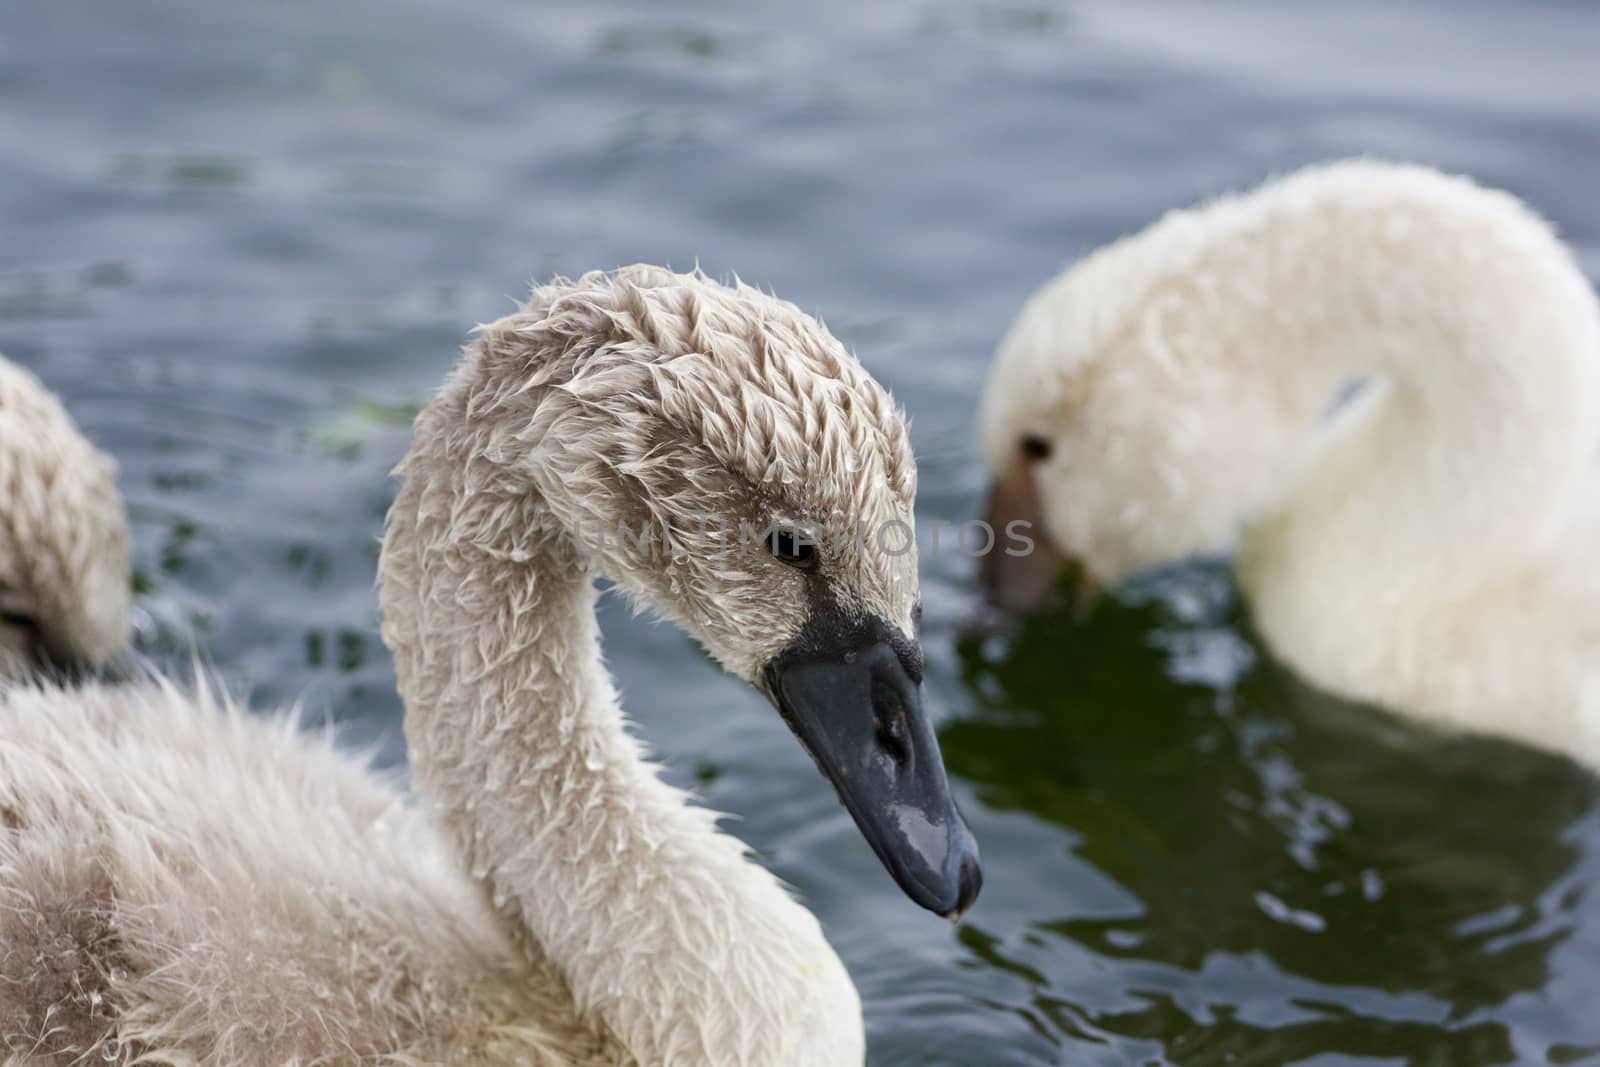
{"type": "Point", "coordinates": [791, 547]}
{"type": "Point", "coordinates": [18, 619]}
{"type": "Point", "coordinates": [1034, 447]}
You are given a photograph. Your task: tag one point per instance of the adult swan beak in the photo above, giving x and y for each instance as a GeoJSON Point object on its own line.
{"type": "Point", "coordinates": [1018, 580]}
{"type": "Point", "coordinates": [851, 691]}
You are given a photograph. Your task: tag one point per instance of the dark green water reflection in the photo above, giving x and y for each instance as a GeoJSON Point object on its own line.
{"type": "Point", "coordinates": [1300, 876]}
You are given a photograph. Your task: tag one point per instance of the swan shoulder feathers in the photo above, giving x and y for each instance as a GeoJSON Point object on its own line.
{"type": "Point", "coordinates": [145, 917]}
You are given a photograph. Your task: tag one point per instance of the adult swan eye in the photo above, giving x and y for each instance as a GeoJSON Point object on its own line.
{"type": "Point", "coordinates": [1034, 447]}
{"type": "Point", "coordinates": [791, 547]}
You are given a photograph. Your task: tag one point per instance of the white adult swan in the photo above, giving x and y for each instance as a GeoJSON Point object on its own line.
{"type": "Point", "coordinates": [1433, 547]}
{"type": "Point", "coordinates": [63, 537]}
{"type": "Point", "coordinates": [186, 884]}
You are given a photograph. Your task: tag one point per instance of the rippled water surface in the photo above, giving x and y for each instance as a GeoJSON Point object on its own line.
{"type": "Point", "coordinates": [244, 241]}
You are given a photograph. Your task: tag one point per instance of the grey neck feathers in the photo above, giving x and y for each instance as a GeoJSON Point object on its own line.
{"type": "Point", "coordinates": [664, 932]}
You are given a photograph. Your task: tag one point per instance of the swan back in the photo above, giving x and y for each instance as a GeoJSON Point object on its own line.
{"type": "Point", "coordinates": [63, 536]}
{"type": "Point", "coordinates": [191, 882]}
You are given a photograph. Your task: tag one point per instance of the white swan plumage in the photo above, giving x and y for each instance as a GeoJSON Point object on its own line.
{"type": "Point", "coordinates": [1432, 545]}
{"type": "Point", "coordinates": [64, 594]}
{"type": "Point", "coordinates": [185, 883]}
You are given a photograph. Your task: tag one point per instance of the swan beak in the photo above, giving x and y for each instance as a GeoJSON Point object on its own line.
{"type": "Point", "coordinates": [847, 691]}
{"type": "Point", "coordinates": [1019, 572]}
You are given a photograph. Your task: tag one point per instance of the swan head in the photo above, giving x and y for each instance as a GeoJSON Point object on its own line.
{"type": "Point", "coordinates": [724, 461]}
{"type": "Point", "coordinates": [1119, 422]}
{"type": "Point", "coordinates": [64, 594]}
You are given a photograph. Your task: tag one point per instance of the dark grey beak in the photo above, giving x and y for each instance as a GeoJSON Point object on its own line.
{"type": "Point", "coordinates": [851, 694]}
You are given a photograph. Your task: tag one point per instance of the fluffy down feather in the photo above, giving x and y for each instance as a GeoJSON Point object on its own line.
{"type": "Point", "coordinates": [63, 536]}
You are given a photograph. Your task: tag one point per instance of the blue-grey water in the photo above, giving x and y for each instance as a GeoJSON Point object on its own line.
{"type": "Point", "coordinates": [244, 240]}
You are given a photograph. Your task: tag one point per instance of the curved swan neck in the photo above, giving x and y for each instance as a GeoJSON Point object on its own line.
{"type": "Point", "coordinates": [1489, 336]}
{"type": "Point", "coordinates": [1438, 505]}
{"type": "Point", "coordinates": [1461, 303]}
{"type": "Point", "coordinates": [665, 933]}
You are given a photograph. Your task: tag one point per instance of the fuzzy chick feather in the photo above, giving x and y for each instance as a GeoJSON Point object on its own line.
{"type": "Point", "coordinates": [63, 536]}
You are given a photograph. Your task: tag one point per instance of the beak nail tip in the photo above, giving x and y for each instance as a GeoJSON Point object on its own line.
{"type": "Point", "coordinates": [971, 884]}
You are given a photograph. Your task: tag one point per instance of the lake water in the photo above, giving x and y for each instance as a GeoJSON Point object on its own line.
{"type": "Point", "coordinates": [244, 241]}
